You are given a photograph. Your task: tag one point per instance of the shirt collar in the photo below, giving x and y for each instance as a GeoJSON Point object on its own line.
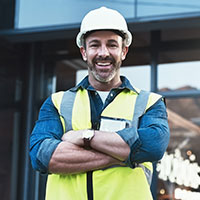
{"type": "Point", "coordinates": [84, 84]}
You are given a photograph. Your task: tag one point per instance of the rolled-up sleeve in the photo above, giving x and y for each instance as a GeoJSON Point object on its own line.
{"type": "Point", "coordinates": [45, 137]}
{"type": "Point", "coordinates": [149, 141]}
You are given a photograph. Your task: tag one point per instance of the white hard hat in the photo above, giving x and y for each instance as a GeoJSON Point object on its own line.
{"type": "Point", "coordinates": [103, 19]}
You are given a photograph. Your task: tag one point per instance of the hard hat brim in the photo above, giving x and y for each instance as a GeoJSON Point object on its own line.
{"type": "Point", "coordinates": [80, 37]}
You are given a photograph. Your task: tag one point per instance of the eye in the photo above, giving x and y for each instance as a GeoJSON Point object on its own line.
{"type": "Point", "coordinates": [113, 45]}
{"type": "Point", "coordinates": [93, 45]}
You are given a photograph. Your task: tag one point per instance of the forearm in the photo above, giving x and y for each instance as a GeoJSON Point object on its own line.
{"type": "Point", "coordinates": [71, 159]}
{"type": "Point", "coordinates": [111, 144]}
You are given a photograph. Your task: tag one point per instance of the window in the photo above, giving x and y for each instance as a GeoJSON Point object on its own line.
{"type": "Point", "coordinates": [47, 12]}
{"type": "Point", "coordinates": [166, 7]}
{"type": "Point", "coordinates": [179, 76]}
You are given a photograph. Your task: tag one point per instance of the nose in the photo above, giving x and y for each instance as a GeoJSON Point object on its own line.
{"type": "Point", "coordinates": [103, 51]}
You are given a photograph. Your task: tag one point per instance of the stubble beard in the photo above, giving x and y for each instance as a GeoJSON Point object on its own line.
{"type": "Point", "coordinates": [115, 68]}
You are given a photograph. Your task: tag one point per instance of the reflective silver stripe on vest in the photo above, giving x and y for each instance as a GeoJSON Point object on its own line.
{"type": "Point", "coordinates": [147, 172]}
{"type": "Point", "coordinates": [66, 108]}
{"type": "Point", "coordinates": [140, 106]}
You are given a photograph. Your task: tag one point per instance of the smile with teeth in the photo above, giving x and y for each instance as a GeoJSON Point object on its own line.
{"type": "Point", "coordinates": [103, 64]}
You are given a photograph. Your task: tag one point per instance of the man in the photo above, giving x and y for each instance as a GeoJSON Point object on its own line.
{"type": "Point", "coordinates": [98, 140]}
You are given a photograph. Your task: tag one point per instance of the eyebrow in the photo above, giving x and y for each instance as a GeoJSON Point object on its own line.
{"type": "Point", "coordinates": [98, 41]}
{"type": "Point", "coordinates": [113, 41]}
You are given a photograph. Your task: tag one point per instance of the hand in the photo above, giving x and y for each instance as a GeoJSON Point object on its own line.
{"type": "Point", "coordinates": [74, 137]}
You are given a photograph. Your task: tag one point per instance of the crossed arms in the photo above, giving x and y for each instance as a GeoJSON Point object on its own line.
{"type": "Point", "coordinates": [108, 148]}
{"type": "Point", "coordinates": [52, 152]}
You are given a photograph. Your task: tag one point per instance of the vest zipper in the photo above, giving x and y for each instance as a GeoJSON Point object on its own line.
{"type": "Point", "coordinates": [90, 185]}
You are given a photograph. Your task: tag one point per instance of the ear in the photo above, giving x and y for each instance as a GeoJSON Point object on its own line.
{"type": "Point", "coordinates": [124, 52]}
{"type": "Point", "coordinates": [83, 53]}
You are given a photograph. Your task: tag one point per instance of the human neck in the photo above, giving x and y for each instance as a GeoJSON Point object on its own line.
{"type": "Point", "coordinates": [105, 86]}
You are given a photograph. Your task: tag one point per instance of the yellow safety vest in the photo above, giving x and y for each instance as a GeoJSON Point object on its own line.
{"type": "Point", "coordinates": [115, 183]}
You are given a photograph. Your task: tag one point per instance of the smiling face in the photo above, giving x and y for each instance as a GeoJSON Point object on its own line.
{"type": "Point", "coordinates": [104, 52]}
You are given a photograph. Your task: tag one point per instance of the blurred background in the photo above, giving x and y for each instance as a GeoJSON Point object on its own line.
{"type": "Point", "coordinates": [38, 56]}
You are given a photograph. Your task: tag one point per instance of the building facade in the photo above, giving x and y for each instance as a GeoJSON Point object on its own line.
{"type": "Point", "coordinates": [38, 56]}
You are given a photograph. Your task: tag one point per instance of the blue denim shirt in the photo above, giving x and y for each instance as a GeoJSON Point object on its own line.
{"type": "Point", "coordinates": [148, 142]}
